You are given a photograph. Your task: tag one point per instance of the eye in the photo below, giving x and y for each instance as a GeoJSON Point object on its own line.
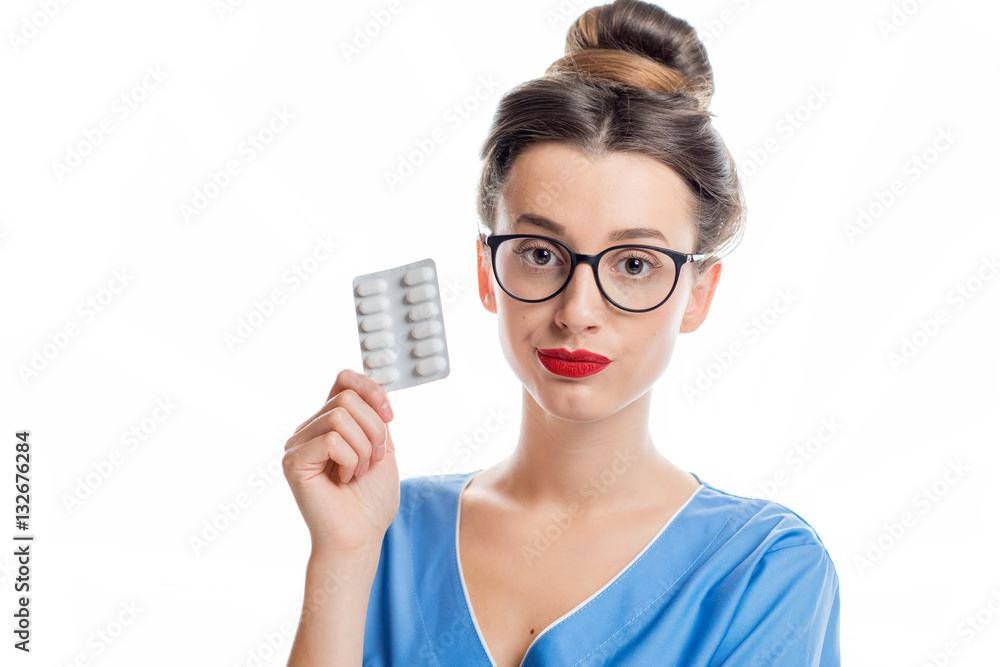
{"type": "Point", "coordinates": [636, 264]}
{"type": "Point", "coordinates": [538, 253]}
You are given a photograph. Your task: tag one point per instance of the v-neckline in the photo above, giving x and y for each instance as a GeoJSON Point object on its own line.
{"type": "Point", "coordinates": [583, 603]}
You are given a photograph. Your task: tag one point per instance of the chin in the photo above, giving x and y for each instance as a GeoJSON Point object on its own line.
{"type": "Point", "coordinates": [575, 408]}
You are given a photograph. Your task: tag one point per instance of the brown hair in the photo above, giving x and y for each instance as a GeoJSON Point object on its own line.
{"type": "Point", "coordinates": [634, 79]}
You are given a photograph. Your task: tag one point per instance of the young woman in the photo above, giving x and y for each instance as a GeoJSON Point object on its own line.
{"type": "Point", "coordinates": [607, 199]}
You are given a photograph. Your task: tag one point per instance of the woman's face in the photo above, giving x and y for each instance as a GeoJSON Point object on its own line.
{"type": "Point", "coordinates": [589, 199]}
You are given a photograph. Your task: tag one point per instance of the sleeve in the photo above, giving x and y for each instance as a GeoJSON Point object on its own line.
{"type": "Point", "coordinates": [789, 613]}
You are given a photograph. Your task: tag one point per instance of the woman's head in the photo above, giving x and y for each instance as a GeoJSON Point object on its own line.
{"type": "Point", "coordinates": [616, 136]}
{"type": "Point", "coordinates": [634, 79]}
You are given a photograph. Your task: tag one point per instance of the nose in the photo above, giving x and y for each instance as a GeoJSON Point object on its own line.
{"type": "Point", "coordinates": [581, 302]}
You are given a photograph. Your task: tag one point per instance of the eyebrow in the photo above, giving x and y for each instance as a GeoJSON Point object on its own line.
{"type": "Point", "coordinates": [617, 235]}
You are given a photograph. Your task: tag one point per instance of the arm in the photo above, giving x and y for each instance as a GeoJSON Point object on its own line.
{"type": "Point", "coordinates": [789, 613]}
{"type": "Point", "coordinates": [341, 467]}
{"type": "Point", "coordinates": [331, 629]}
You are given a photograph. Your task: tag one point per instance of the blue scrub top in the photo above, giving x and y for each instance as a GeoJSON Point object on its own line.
{"type": "Point", "coordinates": [728, 581]}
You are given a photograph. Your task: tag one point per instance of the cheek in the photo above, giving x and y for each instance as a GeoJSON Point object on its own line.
{"type": "Point", "coordinates": [655, 341]}
{"type": "Point", "coordinates": [515, 329]}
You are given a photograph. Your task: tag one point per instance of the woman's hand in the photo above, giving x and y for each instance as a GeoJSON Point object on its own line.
{"type": "Point", "coordinates": [346, 486]}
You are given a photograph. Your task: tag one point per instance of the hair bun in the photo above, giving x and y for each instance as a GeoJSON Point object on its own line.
{"type": "Point", "coordinates": [638, 44]}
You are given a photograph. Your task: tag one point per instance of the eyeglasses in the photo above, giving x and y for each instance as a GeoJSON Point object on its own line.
{"type": "Point", "coordinates": [636, 278]}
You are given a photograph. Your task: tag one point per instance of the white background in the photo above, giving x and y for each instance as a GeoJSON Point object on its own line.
{"type": "Point", "coordinates": [158, 335]}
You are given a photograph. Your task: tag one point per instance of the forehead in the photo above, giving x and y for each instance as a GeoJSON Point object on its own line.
{"type": "Point", "coordinates": [592, 198]}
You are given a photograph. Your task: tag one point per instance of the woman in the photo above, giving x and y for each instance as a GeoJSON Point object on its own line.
{"type": "Point", "coordinates": [586, 546]}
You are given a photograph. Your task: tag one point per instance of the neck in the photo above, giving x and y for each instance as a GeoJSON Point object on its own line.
{"type": "Point", "coordinates": [602, 466]}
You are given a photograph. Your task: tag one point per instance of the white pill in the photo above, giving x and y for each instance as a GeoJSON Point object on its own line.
{"type": "Point", "coordinates": [430, 366]}
{"type": "Point", "coordinates": [385, 375]}
{"type": "Point", "coordinates": [373, 304]}
{"type": "Point", "coordinates": [424, 311]}
{"type": "Point", "coordinates": [417, 276]}
{"type": "Point", "coordinates": [425, 329]}
{"type": "Point", "coordinates": [371, 287]}
{"type": "Point", "coordinates": [426, 348]}
{"type": "Point", "coordinates": [380, 358]}
{"type": "Point", "coordinates": [378, 341]}
{"type": "Point", "coordinates": [422, 293]}
{"type": "Point", "coordinates": [376, 322]}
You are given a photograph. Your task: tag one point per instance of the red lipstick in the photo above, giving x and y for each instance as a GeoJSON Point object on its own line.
{"type": "Point", "coordinates": [578, 363]}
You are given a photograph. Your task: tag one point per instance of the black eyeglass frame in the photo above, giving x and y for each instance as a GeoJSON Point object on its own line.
{"type": "Point", "coordinates": [679, 258]}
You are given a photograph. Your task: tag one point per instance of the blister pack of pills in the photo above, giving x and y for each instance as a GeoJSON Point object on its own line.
{"type": "Point", "coordinates": [401, 325]}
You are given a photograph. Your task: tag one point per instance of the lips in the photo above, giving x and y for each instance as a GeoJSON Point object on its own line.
{"type": "Point", "coordinates": [576, 364]}
{"type": "Point", "coordinates": [575, 355]}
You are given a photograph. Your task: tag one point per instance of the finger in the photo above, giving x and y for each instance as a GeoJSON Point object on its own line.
{"type": "Point", "coordinates": [354, 424]}
{"type": "Point", "coordinates": [354, 418]}
{"type": "Point", "coordinates": [311, 457]}
{"type": "Point", "coordinates": [376, 431]}
{"type": "Point", "coordinates": [364, 386]}
{"type": "Point", "coordinates": [370, 390]}
{"type": "Point", "coordinates": [390, 447]}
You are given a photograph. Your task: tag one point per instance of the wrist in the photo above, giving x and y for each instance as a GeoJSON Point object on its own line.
{"type": "Point", "coordinates": [363, 558]}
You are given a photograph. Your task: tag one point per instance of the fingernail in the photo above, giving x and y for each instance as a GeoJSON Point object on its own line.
{"type": "Point", "coordinates": [387, 410]}
{"type": "Point", "coordinates": [380, 452]}
{"type": "Point", "coordinates": [362, 469]}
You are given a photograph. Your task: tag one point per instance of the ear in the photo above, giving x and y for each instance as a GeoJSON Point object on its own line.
{"type": "Point", "coordinates": [486, 294]}
{"type": "Point", "coordinates": [701, 298]}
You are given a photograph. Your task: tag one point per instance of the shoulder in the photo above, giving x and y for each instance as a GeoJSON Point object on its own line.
{"type": "Point", "coordinates": [772, 579]}
{"type": "Point", "coordinates": [761, 545]}
{"type": "Point", "coordinates": [433, 485]}
{"type": "Point", "coordinates": [758, 524]}
{"type": "Point", "coordinates": [430, 498]}
{"type": "Point", "coordinates": [427, 514]}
